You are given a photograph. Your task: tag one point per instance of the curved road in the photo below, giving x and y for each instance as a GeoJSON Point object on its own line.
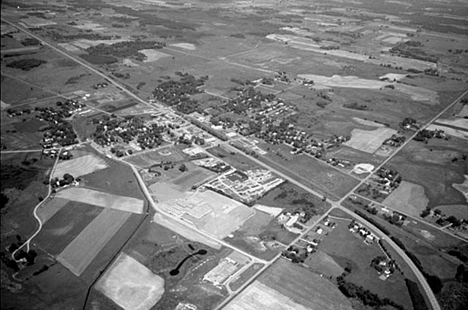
{"type": "Point", "coordinates": [26, 243]}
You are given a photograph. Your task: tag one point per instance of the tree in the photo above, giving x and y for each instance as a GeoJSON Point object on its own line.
{"type": "Point", "coordinates": [183, 168]}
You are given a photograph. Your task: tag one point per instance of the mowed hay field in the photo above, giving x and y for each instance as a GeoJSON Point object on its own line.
{"type": "Point", "coordinates": [85, 247]}
{"type": "Point", "coordinates": [102, 199]}
{"type": "Point", "coordinates": [369, 140]}
{"type": "Point", "coordinates": [408, 198]}
{"type": "Point", "coordinates": [65, 225]}
{"type": "Point", "coordinates": [287, 286]}
{"type": "Point", "coordinates": [131, 285]}
{"type": "Point", "coordinates": [80, 166]}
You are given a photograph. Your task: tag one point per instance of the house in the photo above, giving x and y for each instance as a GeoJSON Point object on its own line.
{"type": "Point", "coordinates": [292, 220]}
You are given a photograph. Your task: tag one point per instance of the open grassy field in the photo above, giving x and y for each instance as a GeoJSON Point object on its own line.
{"type": "Point", "coordinates": [193, 177]}
{"type": "Point", "coordinates": [349, 249]}
{"type": "Point", "coordinates": [117, 179]}
{"type": "Point", "coordinates": [436, 179]}
{"type": "Point", "coordinates": [316, 174]}
{"type": "Point", "coordinates": [185, 231]}
{"type": "Point", "coordinates": [460, 211]}
{"type": "Point", "coordinates": [235, 159]}
{"type": "Point", "coordinates": [369, 140]}
{"type": "Point", "coordinates": [322, 263]}
{"type": "Point", "coordinates": [131, 285]}
{"type": "Point", "coordinates": [408, 198]}
{"type": "Point", "coordinates": [85, 247]}
{"type": "Point", "coordinates": [65, 226]}
{"type": "Point", "coordinates": [248, 273]}
{"type": "Point", "coordinates": [14, 91]}
{"type": "Point", "coordinates": [289, 196]}
{"type": "Point", "coordinates": [288, 286]}
{"type": "Point", "coordinates": [80, 166]}
{"type": "Point", "coordinates": [102, 199]}
{"type": "Point", "coordinates": [151, 158]}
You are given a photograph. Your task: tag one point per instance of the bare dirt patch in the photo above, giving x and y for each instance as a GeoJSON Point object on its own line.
{"type": "Point", "coordinates": [131, 285]}
{"type": "Point", "coordinates": [102, 199]}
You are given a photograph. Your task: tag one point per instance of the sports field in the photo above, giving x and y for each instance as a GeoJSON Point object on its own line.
{"type": "Point", "coordinates": [87, 245]}
{"type": "Point", "coordinates": [102, 199]}
{"type": "Point", "coordinates": [369, 140]}
{"type": "Point", "coordinates": [131, 285]}
{"type": "Point", "coordinates": [80, 166]}
{"type": "Point", "coordinates": [408, 198]}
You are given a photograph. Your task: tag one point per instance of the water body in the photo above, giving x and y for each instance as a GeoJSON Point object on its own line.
{"type": "Point", "coordinates": [176, 271]}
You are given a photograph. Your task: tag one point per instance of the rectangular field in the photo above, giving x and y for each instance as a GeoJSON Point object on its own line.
{"type": "Point", "coordinates": [102, 199]}
{"type": "Point", "coordinates": [84, 248]}
{"type": "Point", "coordinates": [149, 159]}
{"type": "Point", "coordinates": [50, 208]}
{"type": "Point", "coordinates": [289, 286]}
{"type": "Point", "coordinates": [65, 225]}
{"type": "Point", "coordinates": [80, 166]}
{"type": "Point", "coordinates": [369, 140]}
{"type": "Point", "coordinates": [313, 173]}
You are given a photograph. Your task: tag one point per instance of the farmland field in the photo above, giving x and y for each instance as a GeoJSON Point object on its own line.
{"type": "Point", "coordinates": [80, 166]}
{"type": "Point", "coordinates": [408, 198]}
{"type": "Point", "coordinates": [65, 225]}
{"type": "Point", "coordinates": [52, 206]}
{"type": "Point", "coordinates": [131, 285]}
{"type": "Point", "coordinates": [102, 199]}
{"type": "Point", "coordinates": [83, 249]}
{"type": "Point", "coordinates": [369, 140]}
{"type": "Point", "coordinates": [117, 179]}
{"type": "Point", "coordinates": [15, 91]}
{"type": "Point", "coordinates": [289, 286]}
